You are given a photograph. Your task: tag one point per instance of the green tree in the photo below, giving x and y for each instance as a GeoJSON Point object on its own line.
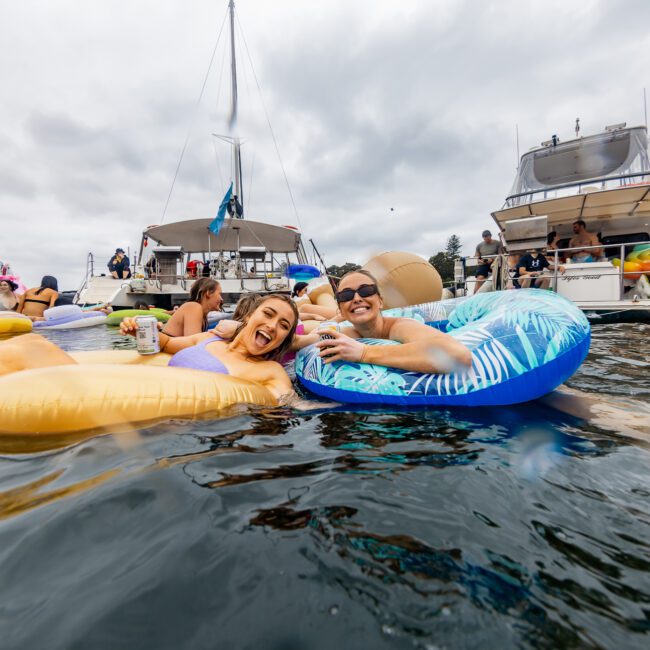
{"type": "Point", "coordinates": [337, 272]}
{"type": "Point", "coordinates": [453, 247]}
{"type": "Point", "coordinates": [443, 261]}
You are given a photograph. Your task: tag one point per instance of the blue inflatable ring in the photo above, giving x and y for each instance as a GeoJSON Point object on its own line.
{"type": "Point", "coordinates": [302, 272]}
{"type": "Point", "coordinates": [524, 344]}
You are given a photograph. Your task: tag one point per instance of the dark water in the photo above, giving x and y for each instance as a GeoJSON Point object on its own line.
{"type": "Point", "coordinates": [520, 527]}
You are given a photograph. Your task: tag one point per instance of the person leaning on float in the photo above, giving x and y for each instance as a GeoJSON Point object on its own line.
{"type": "Point", "coordinates": [264, 336]}
{"type": "Point", "coordinates": [423, 349]}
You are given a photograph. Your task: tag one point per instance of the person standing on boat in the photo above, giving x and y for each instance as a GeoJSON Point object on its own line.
{"type": "Point", "coordinates": [582, 237]}
{"type": "Point", "coordinates": [486, 251]}
{"type": "Point", "coordinates": [119, 264]}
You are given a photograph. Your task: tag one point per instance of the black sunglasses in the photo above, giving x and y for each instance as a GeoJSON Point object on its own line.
{"type": "Point", "coordinates": [364, 291]}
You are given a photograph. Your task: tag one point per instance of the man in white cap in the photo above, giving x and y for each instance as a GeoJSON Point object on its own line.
{"type": "Point", "coordinates": [486, 252]}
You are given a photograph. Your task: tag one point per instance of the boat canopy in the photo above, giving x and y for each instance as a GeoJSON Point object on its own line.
{"type": "Point", "coordinates": [195, 237]}
{"type": "Point", "coordinates": [616, 153]}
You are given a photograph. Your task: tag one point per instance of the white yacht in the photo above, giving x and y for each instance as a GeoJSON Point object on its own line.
{"type": "Point", "coordinates": [243, 255]}
{"type": "Point", "coordinates": [603, 180]}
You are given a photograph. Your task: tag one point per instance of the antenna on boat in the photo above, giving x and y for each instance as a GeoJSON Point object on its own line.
{"type": "Point", "coordinates": [577, 126]}
{"type": "Point", "coordinates": [232, 122]}
{"type": "Point", "coordinates": [517, 136]}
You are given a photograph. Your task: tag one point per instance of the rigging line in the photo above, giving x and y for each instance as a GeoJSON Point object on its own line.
{"type": "Point", "coordinates": [268, 121]}
{"type": "Point", "coordinates": [189, 131]}
{"type": "Point", "coordinates": [219, 87]}
{"type": "Point", "coordinates": [250, 184]}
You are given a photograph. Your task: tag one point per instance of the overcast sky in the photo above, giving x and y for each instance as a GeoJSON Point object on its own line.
{"type": "Point", "coordinates": [375, 105]}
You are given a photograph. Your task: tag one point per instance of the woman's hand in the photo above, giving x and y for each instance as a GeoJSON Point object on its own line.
{"type": "Point", "coordinates": [128, 327]}
{"type": "Point", "coordinates": [340, 348]}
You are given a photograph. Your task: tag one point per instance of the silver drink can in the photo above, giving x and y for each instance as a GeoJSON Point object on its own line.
{"type": "Point", "coordinates": [146, 336]}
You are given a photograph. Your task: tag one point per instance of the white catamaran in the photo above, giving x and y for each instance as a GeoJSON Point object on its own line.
{"type": "Point", "coordinates": [243, 255]}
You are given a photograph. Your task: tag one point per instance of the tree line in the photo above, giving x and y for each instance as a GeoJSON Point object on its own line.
{"type": "Point", "coordinates": [442, 261]}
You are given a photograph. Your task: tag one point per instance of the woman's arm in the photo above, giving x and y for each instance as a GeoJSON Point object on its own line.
{"type": "Point", "coordinates": [53, 296]}
{"type": "Point", "coordinates": [169, 344]}
{"type": "Point", "coordinates": [423, 349]}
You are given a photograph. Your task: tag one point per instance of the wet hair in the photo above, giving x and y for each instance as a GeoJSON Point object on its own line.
{"type": "Point", "coordinates": [298, 287]}
{"type": "Point", "coordinates": [580, 222]}
{"type": "Point", "coordinates": [367, 274]}
{"type": "Point", "coordinates": [245, 306]}
{"type": "Point", "coordinates": [141, 304]}
{"type": "Point", "coordinates": [202, 287]}
{"type": "Point", "coordinates": [550, 237]}
{"type": "Point", "coordinates": [285, 346]}
{"type": "Point", "coordinates": [48, 282]}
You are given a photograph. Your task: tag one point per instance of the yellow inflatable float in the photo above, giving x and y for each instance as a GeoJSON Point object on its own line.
{"type": "Point", "coordinates": [108, 389]}
{"type": "Point", "coordinates": [13, 323]}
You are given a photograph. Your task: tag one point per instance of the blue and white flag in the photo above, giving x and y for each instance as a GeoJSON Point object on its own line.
{"type": "Point", "coordinates": [217, 222]}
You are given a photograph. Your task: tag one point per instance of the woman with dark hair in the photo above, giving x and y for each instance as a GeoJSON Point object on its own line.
{"type": "Point", "coordinates": [8, 299]}
{"type": "Point", "coordinates": [191, 317]}
{"type": "Point", "coordinates": [299, 290]}
{"type": "Point", "coordinates": [34, 302]}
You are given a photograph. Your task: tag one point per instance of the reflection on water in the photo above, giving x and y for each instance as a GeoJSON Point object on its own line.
{"type": "Point", "coordinates": [353, 527]}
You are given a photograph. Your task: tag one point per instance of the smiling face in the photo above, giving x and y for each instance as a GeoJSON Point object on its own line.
{"type": "Point", "coordinates": [4, 287]}
{"type": "Point", "coordinates": [268, 327]}
{"type": "Point", "coordinates": [359, 310]}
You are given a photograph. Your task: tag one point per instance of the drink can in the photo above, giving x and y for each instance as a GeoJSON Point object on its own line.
{"type": "Point", "coordinates": [146, 336]}
{"type": "Point", "coordinates": [328, 326]}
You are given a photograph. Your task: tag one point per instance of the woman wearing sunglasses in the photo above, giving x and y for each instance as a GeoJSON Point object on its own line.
{"type": "Point", "coordinates": [422, 349]}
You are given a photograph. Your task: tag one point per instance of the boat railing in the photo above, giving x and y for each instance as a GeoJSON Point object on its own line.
{"type": "Point", "coordinates": [90, 268]}
{"type": "Point", "coordinates": [561, 257]}
{"type": "Point", "coordinates": [570, 189]}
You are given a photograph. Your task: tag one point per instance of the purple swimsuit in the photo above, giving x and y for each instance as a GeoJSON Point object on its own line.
{"type": "Point", "coordinates": [198, 358]}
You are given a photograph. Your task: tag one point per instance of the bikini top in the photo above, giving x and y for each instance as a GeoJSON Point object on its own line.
{"type": "Point", "coordinates": [42, 302]}
{"type": "Point", "coordinates": [198, 358]}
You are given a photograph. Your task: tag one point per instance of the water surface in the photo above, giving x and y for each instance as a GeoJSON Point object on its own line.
{"type": "Point", "coordinates": [522, 527]}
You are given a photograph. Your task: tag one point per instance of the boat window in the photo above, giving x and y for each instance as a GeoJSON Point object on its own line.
{"type": "Point", "coordinates": [598, 157]}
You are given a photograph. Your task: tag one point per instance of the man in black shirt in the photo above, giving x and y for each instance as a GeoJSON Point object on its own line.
{"type": "Point", "coordinates": [531, 266]}
{"type": "Point", "coordinates": [118, 265]}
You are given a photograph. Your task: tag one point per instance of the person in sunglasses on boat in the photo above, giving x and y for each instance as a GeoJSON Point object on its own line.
{"type": "Point", "coordinates": [422, 349]}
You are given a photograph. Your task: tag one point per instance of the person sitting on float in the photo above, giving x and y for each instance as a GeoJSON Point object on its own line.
{"type": "Point", "coordinates": [191, 317]}
{"type": "Point", "coordinates": [8, 299]}
{"type": "Point", "coordinates": [265, 336]}
{"type": "Point", "coordinates": [533, 265]}
{"type": "Point", "coordinates": [34, 302]}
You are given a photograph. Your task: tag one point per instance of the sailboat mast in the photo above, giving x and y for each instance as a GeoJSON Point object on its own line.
{"type": "Point", "coordinates": [236, 162]}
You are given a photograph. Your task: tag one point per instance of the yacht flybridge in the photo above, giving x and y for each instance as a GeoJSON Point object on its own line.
{"type": "Point", "coordinates": [243, 255]}
{"type": "Point", "coordinates": [603, 180]}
